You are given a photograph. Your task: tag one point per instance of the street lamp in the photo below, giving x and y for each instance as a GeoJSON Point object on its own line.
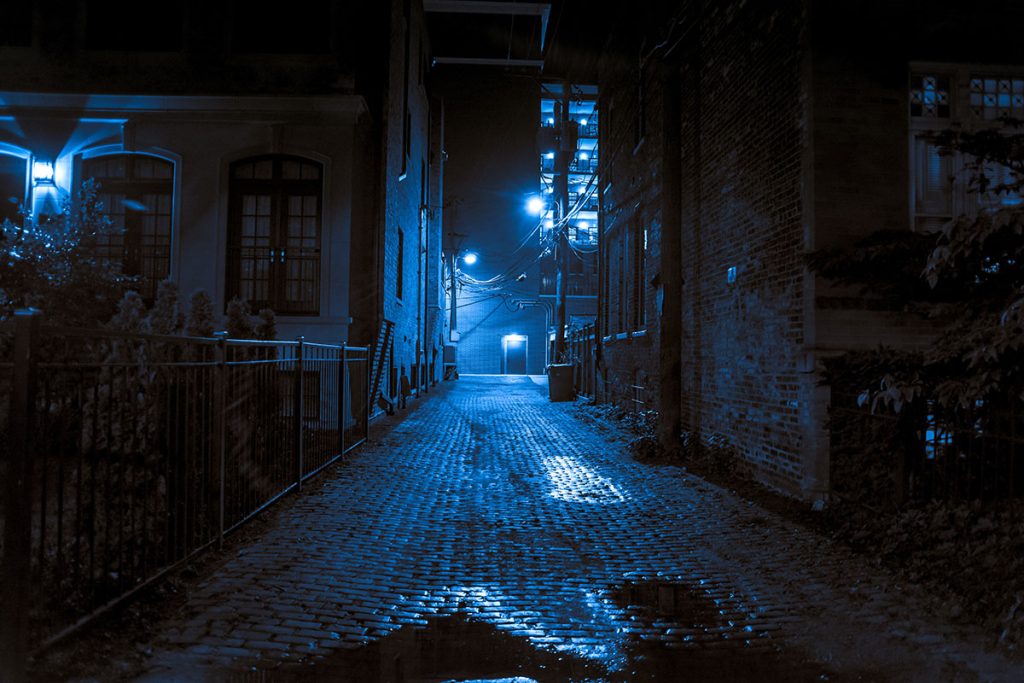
{"type": "Point", "coordinates": [469, 258]}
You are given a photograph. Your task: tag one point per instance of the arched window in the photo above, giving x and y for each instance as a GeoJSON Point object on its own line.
{"type": "Point", "coordinates": [137, 191]}
{"type": "Point", "coordinates": [275, 205]}
{"type": "Point", "coordinates": [13, 184]}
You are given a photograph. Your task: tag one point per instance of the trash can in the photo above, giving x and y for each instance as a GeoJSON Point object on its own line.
{"type": "Point", "coordinates": [560, 382]}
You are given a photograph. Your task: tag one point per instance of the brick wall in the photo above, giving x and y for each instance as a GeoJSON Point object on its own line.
{"type": "Point", "coordinates": [407, 127]}
{"type": "Point", "coordinates": [630, 105]}
{"type": "Point", "coordinates": [744, 124]}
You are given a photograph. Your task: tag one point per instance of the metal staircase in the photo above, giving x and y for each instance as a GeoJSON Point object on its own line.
{"type": "Point", "coordinates": [381, 361]}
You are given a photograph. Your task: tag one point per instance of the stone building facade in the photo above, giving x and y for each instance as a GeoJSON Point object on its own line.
{"type": "Point", "coordinates": [284, 158]}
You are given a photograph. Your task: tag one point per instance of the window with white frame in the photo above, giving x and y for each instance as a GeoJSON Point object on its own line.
{"type": "Point", "coordinates": [137, 193]}
{"type": "Point", "coordinates": [943, 97]}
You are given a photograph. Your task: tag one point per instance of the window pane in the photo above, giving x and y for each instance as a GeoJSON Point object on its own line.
{"type": "Point", "coordinates": [274, 243]}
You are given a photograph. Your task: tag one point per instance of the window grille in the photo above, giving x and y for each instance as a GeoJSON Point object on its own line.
{"type": "Point", "coordinates": [137, 193]}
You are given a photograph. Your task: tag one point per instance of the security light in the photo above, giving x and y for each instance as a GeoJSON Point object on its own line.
{"type": "Point", "coordinates": [42, 172]}
{"type": "Point", "coordinates": [535, 205]}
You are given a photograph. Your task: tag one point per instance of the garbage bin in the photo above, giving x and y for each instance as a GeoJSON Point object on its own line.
{"type": "Point", "coordinates": [560, 382]}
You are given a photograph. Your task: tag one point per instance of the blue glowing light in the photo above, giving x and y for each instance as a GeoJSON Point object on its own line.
{"type": "Point", "coordinates": [469, 258]}
{"type": "Point", "coordinates": [42, 171]}
{"type": "Point", "coordinates": [535, 205]}
{"type": "Point", "coordinates": [549, 155]}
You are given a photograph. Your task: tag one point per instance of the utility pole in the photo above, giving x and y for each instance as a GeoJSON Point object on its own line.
{"type": "Point", "coordinates": [456, 243]}
{"type": "Point", "coordinates": [566, 147]}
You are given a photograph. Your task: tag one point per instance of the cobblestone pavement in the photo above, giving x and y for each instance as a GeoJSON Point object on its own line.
{"type": "Point", "coordinates": [492, 533]}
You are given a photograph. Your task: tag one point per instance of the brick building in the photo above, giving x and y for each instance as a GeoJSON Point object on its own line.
{"type": "Point", "coordinates": [285, 158]}
{"type": "Point", "coordinates": [760, 132]}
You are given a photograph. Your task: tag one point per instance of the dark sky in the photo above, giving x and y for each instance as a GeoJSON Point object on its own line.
{"type": "Point", "coordinates": [491, 118]}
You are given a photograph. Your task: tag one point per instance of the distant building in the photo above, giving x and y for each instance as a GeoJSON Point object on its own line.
{"type": "Point", "coordinates": [287, 158]}
{"type": "Point", "coordinates": [581, 218]}
{"type": "Point", "coordinates": [799, 126]}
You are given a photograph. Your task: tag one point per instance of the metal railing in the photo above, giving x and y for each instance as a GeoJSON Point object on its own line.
{"type": "Point", "coordinates": [927, 452]}
{"type": "Point", "coordinates": [127, 454]}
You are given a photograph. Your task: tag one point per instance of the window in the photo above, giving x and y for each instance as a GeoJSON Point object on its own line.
{"type": "Point", "coordinates": [992, 97]}
{"type": "Point", "coordinates": [274, 214]}
{"type": "Point", "coordinates": [933, 185]}
{"type": "Point", "coordinates": [400, 266]}
{"type": "Point", "coordinates": [639, 268]}
{"type": "Point", "coordinates": [941, 186]}
{"type": "Point", "coordinates": [137, 193]}
{"type": "Point", "coordinates": [13, 185]}
{"type": "Point", "coordinates": [929, 96]}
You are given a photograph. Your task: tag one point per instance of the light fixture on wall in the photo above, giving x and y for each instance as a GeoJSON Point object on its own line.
{"type": "Point", "coordinates": [42, 172]}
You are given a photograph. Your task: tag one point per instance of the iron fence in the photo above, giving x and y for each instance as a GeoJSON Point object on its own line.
{"type": "Point", "coordinates": [127, 454]}
{"type": "Point", "coordinates": [581, 343]}
{"type": "Point", "coordinates": [927, 451]}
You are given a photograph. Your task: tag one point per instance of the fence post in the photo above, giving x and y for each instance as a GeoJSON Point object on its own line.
{"type": "Point", "coordinates": [368, 401]}
{"type": "Point", "coordinates": [297, 410]}
{"type": "Point", "coordinates": [220, 428]}
{"type": "Point", "coordinates": [342, 374]}
{"type": "Point", "coordinates": [18, 507]}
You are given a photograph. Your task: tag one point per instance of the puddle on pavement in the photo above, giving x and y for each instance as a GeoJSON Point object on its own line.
{"type": "Point", "coordinates": [652, 648]}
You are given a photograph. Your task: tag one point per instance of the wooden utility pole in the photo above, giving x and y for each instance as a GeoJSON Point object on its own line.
{"type": "Point", "coordinates": [566, 148]}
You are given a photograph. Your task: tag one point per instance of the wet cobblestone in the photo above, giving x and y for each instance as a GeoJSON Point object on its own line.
{"type": "Point", "coordinates": [490, 503]}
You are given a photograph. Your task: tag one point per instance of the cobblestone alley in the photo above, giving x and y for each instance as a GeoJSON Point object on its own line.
{"type": "Point", "coordinates": [493, 534]}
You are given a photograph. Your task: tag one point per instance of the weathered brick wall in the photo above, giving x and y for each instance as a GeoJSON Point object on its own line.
{"type": "Point", "coordinates": [743, 139]}
{"type": "Point", "coordinates": [406, 162]}
{"type": "Point", "coordinates": [630, 107]}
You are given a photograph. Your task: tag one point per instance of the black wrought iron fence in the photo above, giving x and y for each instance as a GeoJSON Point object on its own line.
{"type": "Point", "coordinates": [927, 451]}
{"type": "Point", "coordinates": [126, 454]}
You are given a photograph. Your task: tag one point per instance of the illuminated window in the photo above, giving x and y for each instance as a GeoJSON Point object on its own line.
{"type": "Point", "coordinates": [137, 192]}
{"type": "Point", "coordinates": [13, 183]}
{"type": "Point", "coordinates": [929, 96]}
{"type": "Point", "coordinates": [992, 97]}
{"type": "Point", "coordinates": [274, 215]}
